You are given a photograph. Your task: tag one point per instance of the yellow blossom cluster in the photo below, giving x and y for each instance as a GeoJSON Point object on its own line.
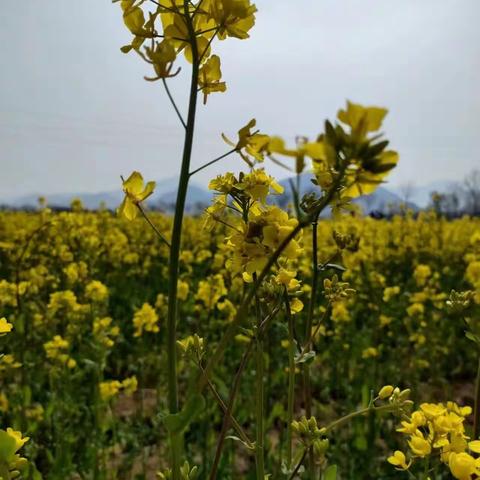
{"type": "Point", "coordinates": [437, 430]}
{"type": "Point", "coordinates": [56, 350]}
{"type": "Point", "coordinates": [112, 388]}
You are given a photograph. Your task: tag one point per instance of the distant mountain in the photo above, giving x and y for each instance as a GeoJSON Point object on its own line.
{"type": "Point", "coordinates": [381, 200]}
{"type": "Point", "coordinates": [385, 199]}
{"type": "Point", "coordinates": [421, 195]}
{"type": "Point", "coordinates": [163, 198]}
{"type": "Point", "coordinates": [62, 200]}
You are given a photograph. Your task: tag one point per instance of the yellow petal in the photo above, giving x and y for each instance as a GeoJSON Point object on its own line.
{"type": "Point", "coordinates": [474, 446]}
{"type": "Point", "coordinates": [149, 188]}
{"type": "Point", "coordinates": [5, 327]}
{"type": "Point", "coordinates": [134, 183]}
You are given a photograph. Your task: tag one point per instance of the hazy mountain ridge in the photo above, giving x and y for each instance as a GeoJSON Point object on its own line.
{"type": "Point", "coordinates": [382, 200]}
{"type": "Point", "coordinates": [163, 198]}
{"type": "Point", "coordinates": [386, 198]}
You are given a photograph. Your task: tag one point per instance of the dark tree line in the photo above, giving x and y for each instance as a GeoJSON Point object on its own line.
{"type": "Point", "coordinates": [463, 200]}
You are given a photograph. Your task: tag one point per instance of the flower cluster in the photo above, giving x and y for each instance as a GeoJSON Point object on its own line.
{"type": "Point", "coordinates": [145, 319]}
{"type": "Point", "coordinates": [112, 388]}
{"type": "Point", "coordinates": [57, 351]}
{"type": "Point", "coordinates": [437, 430]}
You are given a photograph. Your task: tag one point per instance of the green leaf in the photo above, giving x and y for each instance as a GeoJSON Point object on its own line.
{"type": "Point", "coordinates": [179, 422]}
{"type": "Point", "coordinates": [472, 337]}
{"type": "Point", "coordinates": [245, 444]}
{"type": "Point", "coordinates": [330, 473]}
{"type": "Point", "coordinates": [306, 357]}
{"type": "Point", "coordinates": [335, 266]}
{"type": "Point", "coordinates": [378, 148]}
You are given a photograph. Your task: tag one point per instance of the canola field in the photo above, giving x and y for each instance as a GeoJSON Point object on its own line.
{"type": "Point", "coordinates": [257, 341]}
{"type": "Point", "coordinates": [84, 370]}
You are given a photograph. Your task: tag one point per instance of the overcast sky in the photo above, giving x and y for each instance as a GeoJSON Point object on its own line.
{"type": "Point", "coordinates": [75, 112]}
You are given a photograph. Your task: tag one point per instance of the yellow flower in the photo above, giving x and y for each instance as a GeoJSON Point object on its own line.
{"type": "Point", "coordinates": [258, 184]}
{"type": "Point", "coordinates": [233, 17]}
{"type": "Point", "coordinates": [56, 350]}
{"type": "Point", "coordinates": [287, 278]}
{"type": "Point", "coordinates": [63, 302]}
{"type": "Point", "coordinates": [17, 436]}
{"type": "Point", "coordinates": [135, 193]}
{"type": "Point", "coordinates": [211, 290]}
{"type": "Point", "coordinates": [390, 292]}
{"type": "Point", "coordinates": [416, 309]}
{"type": "Point", "coordinates": [109, 389]}
{"type": "Point", "coordinates": [176, 31]}
{"type": "Point", "coordinates": [182, 290]}
{"type": "Point", "coordinates": [161, 55]}
{"type": "Point", "coordinates": [463, 466]}
{"type": "Point", "coordinates": [362, 119]}
{"type": "Point", "coordinates": [340, 312]}
{"type": "Point", "coordinates": [96, 291]}
{"type": "Point", "coordinates": [130, 385]}
{"type": "Point", "coordinates": [370, 352]}
{"type": "Point", "coordinates": [399, 460]}
{"type": "Point", "coordinates": [432, 410]}
{"type": "Point", "coordinates": [5, 327]}
{"type": "Point", "coordinates": [145, 319]}
{"type": "Point", "coordinates": [421, 274]}
{"type": "Point", "coordinates": [133, 17]}
{"type": "Point", "coordinates": [103, 331]}
{"type": "Point", "coordinates": [209, 77]}
{"type": "Point", "coordinates": [296, 305]}
{"type": "Point", "coordinates": [419, 445]}
{"type": "Point", "coordinates": [250, 143]}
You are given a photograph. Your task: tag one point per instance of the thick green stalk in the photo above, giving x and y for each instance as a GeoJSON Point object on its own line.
{"type": "Point", "coordinates": [259, 396]}
{"type": "Point", "coordinates": [175, 439]}
{"type": "Point", "coordinates": [308, 332]}
{"type": "Point", "coordinates": [291, 380]}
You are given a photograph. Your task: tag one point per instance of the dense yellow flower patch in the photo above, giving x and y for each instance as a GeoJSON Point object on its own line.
{"type": "Point", "coordinates": [89, 299]}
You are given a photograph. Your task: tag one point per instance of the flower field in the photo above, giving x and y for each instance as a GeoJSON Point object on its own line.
{"type": "Point", "coordinates": [85, 367]}
{"type": "Point", "coordinates": [261, 339]}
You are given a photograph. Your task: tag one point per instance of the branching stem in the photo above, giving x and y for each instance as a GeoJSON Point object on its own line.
{"type": "Point", "coordinates": [211, 162]}
{"type": "Point", "coordinates": [172, 101]}
{"type": "Point", "coordinates": [154, 228]}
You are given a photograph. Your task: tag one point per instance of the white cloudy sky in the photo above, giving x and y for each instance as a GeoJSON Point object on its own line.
{"type": "Point", "coordinates": [75, 113]}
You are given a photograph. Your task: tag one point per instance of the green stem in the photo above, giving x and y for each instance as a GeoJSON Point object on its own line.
{"type": "Point", "coordinates": [238, 428]}
{"type": "Point", "coordinates": [259, 396]}
{"type": "Point", "coordinates": [364, 411]}
{"type": "Point", "coordinates": [306, 367]}
{"type": "Point", "coordinates": [476, 413]}
{"type": "Point", "coordinates": [215, 160]}
{"type": "Point", "coordinates": [154, 228]}
{"type": "Point", "coordinates": [175, 439]}
{"type": "Point", "coordinates": [299, 464]}
{"type": "Point", "coordinates": [291, 379]}
{"type": "Point", "coordinates": [228, 414]}
{"type": "Point", "coordinates": [233, 393]}
{"type": "Point", "coordinates": [174, 105]}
